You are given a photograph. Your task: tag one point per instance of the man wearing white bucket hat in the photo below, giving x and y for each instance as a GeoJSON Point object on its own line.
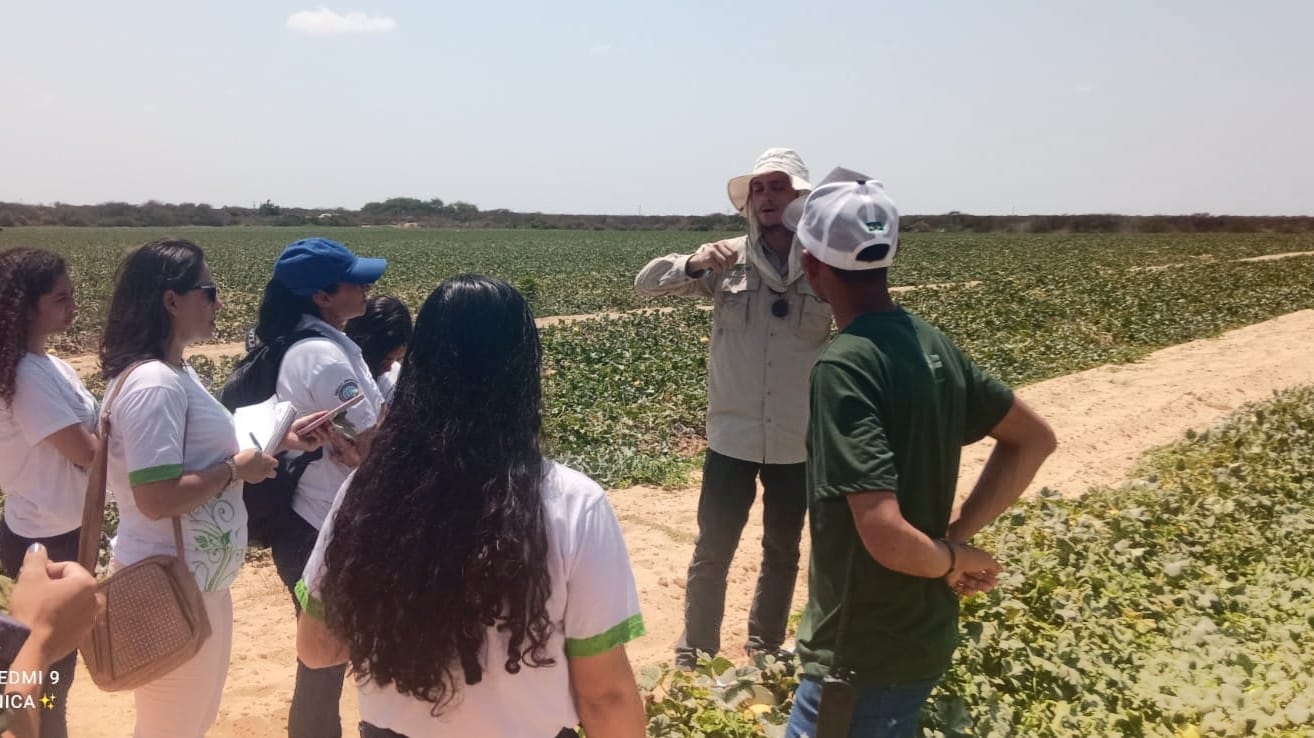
{"type": "Point", "coordinates": [768, 326]}
{"type": "Point", "coordinates": [893, 401]}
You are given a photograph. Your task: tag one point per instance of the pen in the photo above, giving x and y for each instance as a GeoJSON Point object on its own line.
{"type": "Point", "coordinates": [258, 445]}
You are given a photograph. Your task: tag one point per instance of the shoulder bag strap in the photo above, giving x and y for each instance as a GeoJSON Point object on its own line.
{"type": "Point", "coordinates": [93, 510]}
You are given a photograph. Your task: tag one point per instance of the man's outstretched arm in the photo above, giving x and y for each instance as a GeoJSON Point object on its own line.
{"type": "Point", "coordinates": [687, 274]}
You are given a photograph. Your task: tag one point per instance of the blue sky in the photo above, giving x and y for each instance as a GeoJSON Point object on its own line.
{"type": "Point", "coordinates": [605, 107]}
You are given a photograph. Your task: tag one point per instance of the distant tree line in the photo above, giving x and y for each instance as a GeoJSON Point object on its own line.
{"type": "Point", "coordinates": [956, 222]}
{"type": "Point", "coordinates": [409, 212]}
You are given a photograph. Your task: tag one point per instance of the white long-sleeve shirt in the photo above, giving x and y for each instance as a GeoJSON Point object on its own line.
{"type": "Point", "coordinates": [757, 372]}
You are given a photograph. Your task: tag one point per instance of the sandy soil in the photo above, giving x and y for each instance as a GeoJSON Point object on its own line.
{"type": "Point", "coordinates": [1211, 259]}
{"type": "Point", "coordinates": [1276, 257]}
{"type": "Point", "coordinates": [1105, 418]}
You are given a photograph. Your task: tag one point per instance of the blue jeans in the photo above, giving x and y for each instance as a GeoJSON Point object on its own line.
{"type": "Point", "coordinates": [882, 711]}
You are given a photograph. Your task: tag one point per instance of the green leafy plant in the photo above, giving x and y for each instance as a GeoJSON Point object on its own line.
{"type": "Point", "coordinates": [718, 699]}
{"type": "Point", "coordinates": [1177, 605]}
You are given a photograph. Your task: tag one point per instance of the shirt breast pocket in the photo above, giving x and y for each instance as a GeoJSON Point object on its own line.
{"type": "Point", "coordinates": [814, 318]}
{"type": "Point", "coordinates": [733, 299]}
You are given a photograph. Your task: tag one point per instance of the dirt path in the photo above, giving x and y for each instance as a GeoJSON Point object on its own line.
{"type": "Point", "coordinates": [1276, 257]}
{"type": "Point", "coordinates": [1209, 259]}
{"type": "Point", "coordinates": [1105, 418]}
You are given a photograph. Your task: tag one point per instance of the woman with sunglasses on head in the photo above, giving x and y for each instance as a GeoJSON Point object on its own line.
{"type": "Point", "coordinates": [319, 285]}
{"type": "Point", "coordinates": [173, 453]}
{"type": "Point", "coordinates": [476, 588]}
{"type": "Point", "coordinates": [47, 432]}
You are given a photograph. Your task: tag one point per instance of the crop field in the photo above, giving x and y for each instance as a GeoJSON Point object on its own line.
{"type": "Point", "coordinates": [625, 397]}
{"type": "Point", "coordinates": [578, 272]}
{"type": "Point", "coordinates": [1177, 605]}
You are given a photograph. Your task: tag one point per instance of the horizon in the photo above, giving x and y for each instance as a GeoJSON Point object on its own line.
{"type": "Point", "coordinates": [586, 108]}
{"type": "Point", "coordinates": [256, 206]}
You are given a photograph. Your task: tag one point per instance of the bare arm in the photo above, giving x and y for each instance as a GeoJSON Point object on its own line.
{"type": "Point", "coordinates": [898, 546]}
{"type": "Point", "coordinates": [317, 647]}
{"type": "Point", "coordinates": [1023, 441]}
{"type": "Point", "coordinates": [171, 497]}
{"type": "Point", "coordinates": [75, 442]}
{"type": "Point", "coordinates": [59, 603]}
{"type": "Point", "coordinates": [606, 696]}
{"type": "Point", "coordinates": [24, 723]}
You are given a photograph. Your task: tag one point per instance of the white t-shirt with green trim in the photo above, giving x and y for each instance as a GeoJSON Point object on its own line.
{"type": "Point", "coordinates": [44, 491]}
{"type": "Point", "coordinates": [320, 374]}
{"type": "Point", "coordinates": [594, 607]}
{"type": "Point", "coordinates": [163, 423]}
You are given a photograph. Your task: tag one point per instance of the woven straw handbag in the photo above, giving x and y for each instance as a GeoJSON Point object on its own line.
{"type": "Point", "coordinates": [154, 619]}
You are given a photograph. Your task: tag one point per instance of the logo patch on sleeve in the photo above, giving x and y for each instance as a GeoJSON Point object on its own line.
{"type": "Point", "coordinates": [347, 390]}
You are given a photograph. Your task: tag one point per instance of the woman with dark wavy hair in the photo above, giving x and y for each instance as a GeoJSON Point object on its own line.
{"type": "Point", "coordinates": [173, 461]}
{"type": "Point", "coordinates": [382, 334]}
{"type": "Point", "coordinates": [475, 588]}
{"type": "Point", "coordinates": [47, 432]}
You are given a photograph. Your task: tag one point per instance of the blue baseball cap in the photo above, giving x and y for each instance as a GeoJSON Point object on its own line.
{"type": "Point", "coordinates": [314, 264]}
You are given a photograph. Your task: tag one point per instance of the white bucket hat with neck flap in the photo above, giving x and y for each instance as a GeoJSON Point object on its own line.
{"type": "Point", "coordinates": [785, 161]}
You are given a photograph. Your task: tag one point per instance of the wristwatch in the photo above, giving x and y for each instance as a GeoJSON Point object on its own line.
{"type": "Point", "coordinates": [232, 470]}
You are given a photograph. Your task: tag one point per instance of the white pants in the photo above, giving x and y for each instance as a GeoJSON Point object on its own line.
{"type": "Point", "coordinates": [185, 702]}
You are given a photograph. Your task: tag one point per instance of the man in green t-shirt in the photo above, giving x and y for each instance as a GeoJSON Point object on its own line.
{"type": "Point", "coordinates": [893, 401]}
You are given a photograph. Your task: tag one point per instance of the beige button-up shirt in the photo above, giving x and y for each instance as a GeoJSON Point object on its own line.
{"type": "Point", "coordinates": [757, 374]}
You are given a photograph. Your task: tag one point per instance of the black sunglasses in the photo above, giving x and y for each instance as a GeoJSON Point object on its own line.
{"type": "Point", "coordinates": [211, 291]}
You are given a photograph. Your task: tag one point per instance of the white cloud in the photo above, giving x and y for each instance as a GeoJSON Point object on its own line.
{"type": "Point", "coordinates": [600, 49]}
{"type": "Point", "coordinates": [325, 22]}
{"type": "Point", "coordinates": [1085, 88]}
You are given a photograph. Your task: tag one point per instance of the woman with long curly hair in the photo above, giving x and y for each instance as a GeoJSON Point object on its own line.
{"type": "Point", "coordinates": [173, 461]}
{"type": "Point", "coordinates": [47, 431]}
{"type": "Point", "coordinates": [475, 588]}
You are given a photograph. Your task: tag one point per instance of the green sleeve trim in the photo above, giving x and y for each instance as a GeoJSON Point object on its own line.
{"type": "Point", "coordinates": [626, 631]}
{"type": "Point", "coordinates": [154, 474]}
{"type": "Point", "coordinates": [310, 604]}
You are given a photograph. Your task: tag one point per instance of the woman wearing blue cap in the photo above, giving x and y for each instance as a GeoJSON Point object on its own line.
{"type": "Point", "coordinates": [318, 286]}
